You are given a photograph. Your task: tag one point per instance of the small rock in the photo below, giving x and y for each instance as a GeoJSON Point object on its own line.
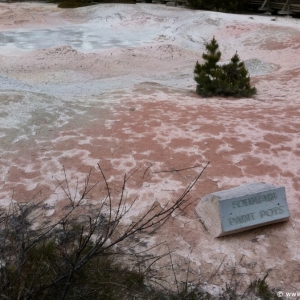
{"type": "Point", "coordinates": [132, 108]}
{"type": "Point", "coordinates": [212, 289]}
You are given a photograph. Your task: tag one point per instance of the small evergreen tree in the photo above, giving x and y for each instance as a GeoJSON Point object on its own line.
{"type": "Point", "coordinates": [208, 74]}
{"type": "Point", "coordinates": [228, 80]}
{"type": "Point", "coordinates": [237, 79]}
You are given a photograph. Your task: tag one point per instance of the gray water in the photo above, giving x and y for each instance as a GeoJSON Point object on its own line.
{"type": "Point", "coordinates": [78, 37]}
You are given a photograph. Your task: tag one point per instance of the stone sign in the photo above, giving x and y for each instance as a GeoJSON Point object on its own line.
{"type": "Point", "coordinates": [242, 208]}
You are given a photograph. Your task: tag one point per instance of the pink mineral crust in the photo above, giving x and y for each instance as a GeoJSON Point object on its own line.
{"type": "Point", "coordinates": [135, 106]}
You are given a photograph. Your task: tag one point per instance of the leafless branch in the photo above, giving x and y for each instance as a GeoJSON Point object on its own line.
{"type": "Point", "coordinates": [76, 242]}
{"type": "Point", "coordinates": [177, 170]}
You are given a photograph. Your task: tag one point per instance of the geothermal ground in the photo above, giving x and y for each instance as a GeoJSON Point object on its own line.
{"type": "Point", "coordinates": [113, 84]}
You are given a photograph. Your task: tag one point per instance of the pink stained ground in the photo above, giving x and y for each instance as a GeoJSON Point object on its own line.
{"type": "Point", "coordinates": [136, 107]}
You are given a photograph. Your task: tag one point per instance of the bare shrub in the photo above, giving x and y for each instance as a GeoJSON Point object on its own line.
{"type": "Point", "coordinates": [78, 256]}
